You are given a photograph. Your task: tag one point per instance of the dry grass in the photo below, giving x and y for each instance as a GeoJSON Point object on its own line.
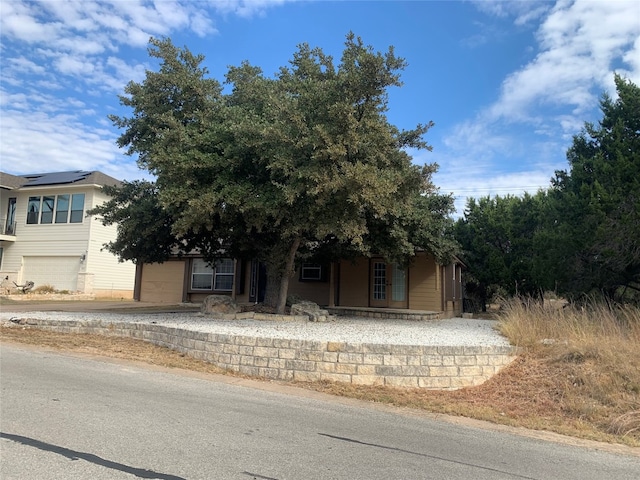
{"type": "Point", "coordinates": [114, 347]}
{"type": "Point", "coordinates": [594, 355]}
{"type": "Point", "coordinates": [579, 373]}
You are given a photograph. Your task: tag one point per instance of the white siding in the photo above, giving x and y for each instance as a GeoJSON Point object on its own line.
{"type": "Point", "coordinates": [99, 271]}
{"type": "Point", "coordinates": [59, 272]}
{"type": "Point", "coordinates": [108, 273]}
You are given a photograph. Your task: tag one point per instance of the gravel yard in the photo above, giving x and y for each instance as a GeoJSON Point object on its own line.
{"type": "Point", "coordinates": [450, 332]}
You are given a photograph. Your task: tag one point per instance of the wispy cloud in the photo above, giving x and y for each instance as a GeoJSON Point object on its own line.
{"type": "Point", "coordinates": [580, 44]}
{"type": "Point", "coordinates": [72, 48]}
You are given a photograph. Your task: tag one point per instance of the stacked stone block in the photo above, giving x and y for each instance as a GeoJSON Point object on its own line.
{"type": "Point", "coordinates": [415, 366]}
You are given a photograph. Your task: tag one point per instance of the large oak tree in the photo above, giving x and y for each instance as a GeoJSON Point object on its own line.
{"type": "Point", "coordinates": [279, 168]}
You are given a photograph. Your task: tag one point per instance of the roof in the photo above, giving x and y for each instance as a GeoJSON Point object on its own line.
{"type": "Point", "coordinates": [11, 182]}
{"type": "Point", "coordinates": [75, 177]}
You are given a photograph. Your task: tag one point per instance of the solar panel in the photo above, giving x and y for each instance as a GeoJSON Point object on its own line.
{"type": "Point", "coordinates": [56, 178]}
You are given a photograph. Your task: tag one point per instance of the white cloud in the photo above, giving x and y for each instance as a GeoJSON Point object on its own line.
{"type": "Point", "coordinates": [524, 11]}
{"type": "Point", "coordinates": [17, 20]}
{"type": "Point", "coordinates": [244, 8]}
{"type": "Point", "coordinates": [24, 65]}
{"type": "Point", "coordinates": [56, 52]}
{"type": "Point", "coordinates": [42, 141]}
{"type": "Point", "coordinates": [580, 45]}
{"type": "Point", "coordinates": [71, 65]}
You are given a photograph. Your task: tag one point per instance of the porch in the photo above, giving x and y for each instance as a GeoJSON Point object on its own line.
{"type": "Point", "coordinates": [386, 313]}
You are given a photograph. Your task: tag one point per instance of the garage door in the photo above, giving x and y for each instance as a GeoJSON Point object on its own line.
{"type": "Point", "coordinates": [59, 272]}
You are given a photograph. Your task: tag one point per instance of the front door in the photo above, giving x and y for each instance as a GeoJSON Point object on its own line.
{"type": "Point", "coordinates": [388, 285]}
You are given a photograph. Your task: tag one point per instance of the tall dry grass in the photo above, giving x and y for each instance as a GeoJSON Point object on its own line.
{"type": "Point", "coordinates": [595, 351]}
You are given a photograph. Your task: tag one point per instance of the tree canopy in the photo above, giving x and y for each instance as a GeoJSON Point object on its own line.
{"type": "Point", "coordinates": [582, 235]}
{"type": "Point", "coordinates": [599, 198]}
{"type": "Point", "coordinates": [277, 168]}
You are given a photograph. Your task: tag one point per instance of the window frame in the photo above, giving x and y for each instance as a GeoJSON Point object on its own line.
{"type": "Point", "coordinates": [215, 274]}
{"type": "Point", "coordinates": [47, 214]}
{"type": "Point", "coordinates": [205, 266]}
{"type": "Point", "coordinates": [228, 262]}
{"type": "Point", "coordinates": [33, 217]}
{"type": "Point", "coordinates": [74, 218]}
{"type": "Point", "coordinates": [54, 209]}
{"type": "Point", "coordinates": [58, 212]}
{"type": "Point", "coordinates": [310, 266]}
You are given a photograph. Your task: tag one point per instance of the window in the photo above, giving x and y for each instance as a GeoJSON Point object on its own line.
{"type": "Point", "coordinates": [10, 227]}
{"type": "Point", "coordinates": [33, 210]}
{"type": "Point", "coordinates": [47, 209]}
{"type": "Point", "coordinates": [206, 277]}
{"type": "Point", "coordinates": [311, 272]}
{"type": "Point", "coordinates": [224, 275]}
{"type": "Point", "coordinates": [62, 209]}
{"type": "Point", "coordinates": [201, 275]}
{"type": "Point", "coordinates": [77, 208]}
{"type": "Point", "coordinates": [379, 281]}
{"type": "Point", "coordinates": [53, 209]}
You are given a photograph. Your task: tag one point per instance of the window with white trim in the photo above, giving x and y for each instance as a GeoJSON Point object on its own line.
{"type": "Point", "coordinates": [51, 209]}
{"type": "Point", "coordinates": [311, 272]}
{"type": "Point", "coordinates": [201, 275]}
{"type": "Point", "coordinates": [223, 275]}
{"type": "Point", "coordinates": [205, 277]}
{"type": "Point", "coordinates": [33, 210]}
{"type": "Point", "coordinates": [77, 208]}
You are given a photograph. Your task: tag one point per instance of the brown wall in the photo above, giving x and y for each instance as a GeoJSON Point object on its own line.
{"type": "Point", "coordinates": [162, 282]}
{"type": "Point", "coordinates": [424, 286]}
{"type": "Point", "coordinates": [317, 292]}
{"type": "Point", "coordinates": [354, 283]}
{"type": "Point", "coordinates": [452, 281]}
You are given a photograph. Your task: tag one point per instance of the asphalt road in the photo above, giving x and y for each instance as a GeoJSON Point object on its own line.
{"type": "Point", "coordinates": [69, 417]}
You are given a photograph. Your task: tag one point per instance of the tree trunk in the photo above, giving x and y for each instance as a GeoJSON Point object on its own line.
{"type": "Point", "coordinates": [286, 276]}
{"type": "Point", "coordinates": [272, 291]}
{"type": "Point", "coordinates": [279, 272]}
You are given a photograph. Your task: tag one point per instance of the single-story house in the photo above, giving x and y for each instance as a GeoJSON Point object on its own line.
{"type": "Point", "coordinates": [366, 283]}
{"type": "Point", "coordinates": [47, 238]}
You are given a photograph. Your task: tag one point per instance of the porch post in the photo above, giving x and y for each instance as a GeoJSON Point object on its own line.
{"type": "Point", "coordinates": [235, 279]}
{"type": "Point", "coordinates": [332, 293]}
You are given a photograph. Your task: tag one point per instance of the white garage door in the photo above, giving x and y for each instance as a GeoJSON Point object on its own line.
{"type": "Point", "coordinates": [59, 272]}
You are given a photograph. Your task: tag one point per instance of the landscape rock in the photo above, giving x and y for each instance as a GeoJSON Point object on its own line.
{"type": "Point", "coordinates": [312, 310]}
{"type": "Point", "coordinates": [219, 304]}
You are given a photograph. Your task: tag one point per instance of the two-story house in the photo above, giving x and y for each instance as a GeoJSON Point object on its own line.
{"type": "Point", "coordinates": [46, 236]}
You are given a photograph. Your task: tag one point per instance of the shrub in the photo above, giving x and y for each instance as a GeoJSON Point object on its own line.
{"type": "Point", "coordinates": [44, 289]}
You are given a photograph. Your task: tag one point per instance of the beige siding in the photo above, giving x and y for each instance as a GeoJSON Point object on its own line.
{"type": "Point", "coordinates": [163, 282]}
{"type": "Point", "coordinates": [354, 283]}
{"type": "Point", "coordinates": [424, 291]}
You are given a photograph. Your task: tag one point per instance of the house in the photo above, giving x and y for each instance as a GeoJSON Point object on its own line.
{"type": "Point", "coordinates": [365, 283]}
{"type": "Point", "coordinates": [46, 236]}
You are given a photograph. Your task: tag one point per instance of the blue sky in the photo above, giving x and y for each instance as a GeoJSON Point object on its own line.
{"type": "Point", "coordinates": [507, 83]}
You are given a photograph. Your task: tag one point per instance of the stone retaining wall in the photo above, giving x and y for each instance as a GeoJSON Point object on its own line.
{"type": "Point", "coordinates": [432, 367]}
